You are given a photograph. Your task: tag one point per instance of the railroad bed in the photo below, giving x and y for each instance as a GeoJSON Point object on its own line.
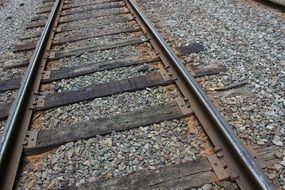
{"type": "Point", "coordinates": [106, 103]}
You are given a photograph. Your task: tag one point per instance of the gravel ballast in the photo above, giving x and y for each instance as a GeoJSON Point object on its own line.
{"type": "Point", "coordinates": [98, 27]}
{"type": "Point", "coordinates": [100, 77]}
{"type": "Point", "coordinates": [14, 16]}
{"type": "Point", "coordinates": [250, 41]}
{"type": "Point", "coordinates": [103, 107]}
{"type": "Point", "coordinates": [91, 7]}
{"type": "Point", "coordinates": [113, 155]}
{"type": "Point", "coordinates": [97, 56]}
{"type": "Point", "coordinates": [8, 96]}
{"type": "Point", "coordinates": [95, 13]}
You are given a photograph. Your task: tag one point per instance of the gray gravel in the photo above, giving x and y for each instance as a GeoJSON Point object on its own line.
{"type": "Point", "coordinates": [257, 48]}
{"type": "Point", "coordinates": [8, 96]}
{"type": "Point", "coordinates": [225, 185]}
{"type": "Point", "coordinates": [103, 107]}
{"type": "Point", "coordinates": [7, 74]}
{"type": "Point", "coordinates": [33, 30]}
{"type": "Point", "coordinates": [111, 54]}
{"type": "Point", "coordinates": [99, 77]}
{"type": "Point", "coordinates": [113, 155]}
{"type": "Point", "coordinates": [14, 16]}
{"type": "Point", "coordinates": [13, 19]}
{"type": "Point", "coordinates": [250, 41]}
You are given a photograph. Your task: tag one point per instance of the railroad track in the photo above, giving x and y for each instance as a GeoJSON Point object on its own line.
{"type": "Point", "coordinates": [66, 54]}
{"type": "Point", "coordinates": [278, 4]}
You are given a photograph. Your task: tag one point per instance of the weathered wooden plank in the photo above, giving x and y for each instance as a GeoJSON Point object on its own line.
{"type": "Point", "coordinates": [44, 10]}
{"type": "Point", "coordinates": [234, 85]}
{"type": "Point", "coordinates": [71, 4]}
{"type": "Point", "coordinates": [79, 36]}
{"type": "Point", "coordinates": [4, 111]}
{"type": "Point", "coordinates": [122, 18]}
{"type": "Point", "coordinates": [105, 89]}
{"type": "Point", "coordinates": [49, 138]}
{"type": "Point", "coordinates": [94, 15]}
{"type": "Point", "coordinates": [47, 1]}
{"type": "Point", "coordinates": [265, 148]}
{"type": "Point", "coordinates": [267, 156]}
{"type": "Point", "coordinates": [24, 47]}
{"type": "Point", "coordinates": [179, 176]}
{"type": "Point", "coordinates": [266, 152]}
{"type": "Point", "coordinates": [90, 8]}
{"type": "Point", "coordinates": [95, 91]}
{"type": "Point", "coordinates": [97, 47]}
{"type": "Point", "coordinates": [100, 66]}
{"type": "Point", "coordinates": [73, 28]}
{"type": "Point", "coordinates": [211, 69]}
{"type": "Point", "coordinates": [30, 35]}
{"type": "Point", "coordinates": [16, 63]}
{"type": "Point", "coordinates": [36, 24]}
{"type": "Point", "coordinates": [75, 5]}
{"type": "Point", "coordinates": [41, 23]}
{"type": "Point", "coordinates": [47, 4]}
{"type": "Point", "coordinates": [75, 71]}
{"type": "Point", "coordinates": [76, 1]}
{"type": "Point", "coordinates": [40, 17]}
{"type": "Point", "coordinates": [270, 164]}
{"type": "Point", "coordinates": [10, 84]}
{"type": "Point", "coordinates": [69, 11]}
{"type": "Point", "coordinates": [76, 37]}
{"type": "Point", "coordinates": [192, 48]}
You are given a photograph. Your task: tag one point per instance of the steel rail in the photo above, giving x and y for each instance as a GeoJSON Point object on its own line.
{"type": "Point", "coordinates": [16, 112]}
{"type": "Point", "coordinates": [273, 4]}
{"type": "Point", "coordinates": [200, 99]}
